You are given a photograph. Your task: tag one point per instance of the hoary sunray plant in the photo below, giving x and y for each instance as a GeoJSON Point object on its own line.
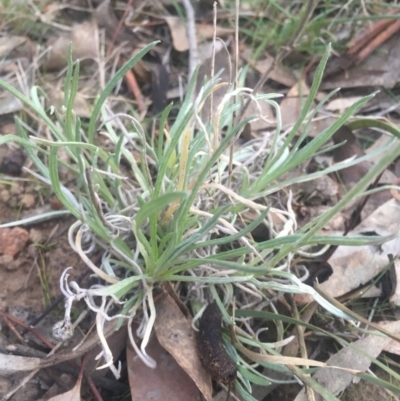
{"type": "Point", "coordinates": [181, 215]}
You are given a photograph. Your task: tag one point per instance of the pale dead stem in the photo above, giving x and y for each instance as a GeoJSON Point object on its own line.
{"type": "Point", "coordinates": [302, 345]}
{"type": "Point", "coordinates": [191, 35]}
{"type": "Point", "coordinates": [64, 330]}
{"type": "Point", "coordinates": [146, 359]}
{"type": "Point", "coordinates": [149, 327]}
{"type": "Point", "coordinates": [246, 92]}
{"type": "Point", "coordinates": [89, 263]}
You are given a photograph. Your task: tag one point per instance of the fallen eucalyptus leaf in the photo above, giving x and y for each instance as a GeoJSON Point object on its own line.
{"type": "Point", "coordinates": [357, 265]}
{"type": "Point", "coordinates": [175, 334]}
{"type": "Point", "coordinates": [351, 357]}
{"type": "Point", "coordinates": [168, 381]}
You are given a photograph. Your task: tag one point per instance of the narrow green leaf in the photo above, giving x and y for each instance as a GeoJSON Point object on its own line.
{"type": "Point", "coordinates": [67, 201]}
{"type": "Point", "coordinates": [246, 396]}
{"type": "Point", "coordinates": [120, 288]}
{"type": "Point", "coordinates": [111, 85]}
{"type": "Point", "coordinates": [256, 379]}
{"type": "Point", "coordinates": [156, 205]}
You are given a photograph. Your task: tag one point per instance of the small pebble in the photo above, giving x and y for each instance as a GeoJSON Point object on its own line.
{"type": "Point", "coordinates": [28, 201]}
{"type": "Point", "coordinates": [13, 202]}
{"type": "Point", "coordinates": [13, 162]}
{"type": "Point", "coordinates": [13, 240]}
{"type": "Point", "coordinates": [6, 261]}
{"type": "Point", "coordinates": [33, 251]}
{"type": "Point", "coordinates": [5, 195]}
{"type": "Point", "coordinates": [35, 236]}
{"type": "Point", "coordinates": [16, 189]}
{"type": "Point", "coordinates": [15, 264]}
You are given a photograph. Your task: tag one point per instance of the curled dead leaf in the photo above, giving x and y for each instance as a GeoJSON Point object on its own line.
{"type": "Point", "coordinates": [356, 265]}
{"type": "Point", "coordinates": [342, 103]}
{"type": "Point", "coordinates": [72, 395]}
{"type": "Point", "coordinates": [83, 39]}
{"type": "Point", "coordinates": [9, 43]}
{"type": "Point", "coordinates": [13, 240]}
{"type": "Point", "coordinates": [292, 103]}
{"type": "Point", "coordinates": [350, 357]}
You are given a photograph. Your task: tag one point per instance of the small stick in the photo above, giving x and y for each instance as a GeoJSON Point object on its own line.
{"type": "Point", "coordinates": [366, 42]}
{"type": "Point", "coordinates": [134, 88]}
{"type": "Point", "coordinates": [302, 345]}
{"type": "Point", "coordinates": [45, 312]}
{"type": "Point", "coordinates": [381, 38]}
{"type": "Point", "coordinates": [11, 326]}
{"type": "Point", "coordinates": [368, 34]}
{"type": "Point", "coordinates": [34, 331]}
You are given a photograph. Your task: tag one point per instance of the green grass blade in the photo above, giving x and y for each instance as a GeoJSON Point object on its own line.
{"type": "Point", "coordinates": [111, 85]}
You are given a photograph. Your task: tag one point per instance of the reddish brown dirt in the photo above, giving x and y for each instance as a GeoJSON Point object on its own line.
{"type": "Point", "coordinates": [22, 279]}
